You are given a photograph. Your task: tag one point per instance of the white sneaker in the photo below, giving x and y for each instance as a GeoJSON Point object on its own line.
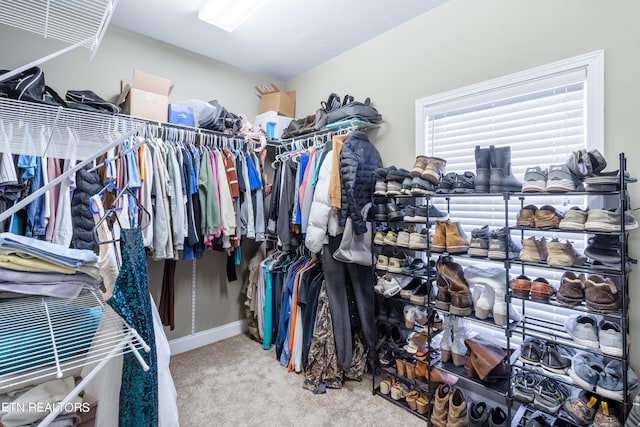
{"type": "Point", "coordinates": [419, 240]}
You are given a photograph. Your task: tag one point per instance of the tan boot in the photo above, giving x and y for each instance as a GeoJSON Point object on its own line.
{"type": "Point", "coordinates": [456, 240]}
{"type": "Point", "coordinates": [439, 242]}
{"type": "Point", "coordinates": [434, 170]}
{"type": "Point", "coordinates": [458, 415]}
{"type": "Point", "coordinates": [441, 406]}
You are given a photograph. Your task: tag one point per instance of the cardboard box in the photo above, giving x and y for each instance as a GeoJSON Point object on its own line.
{"type": "Point", "coordinates": [272, 124]}
{"type": "Point", "coordinates": [146, 97]}
{"type": "Point", "coordinates": [272, 99]}
{"type": "Point", "coordinates": [181, 114]}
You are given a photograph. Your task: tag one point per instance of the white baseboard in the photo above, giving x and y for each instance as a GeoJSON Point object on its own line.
{"type": "Point", "coordinates": [199, 339]}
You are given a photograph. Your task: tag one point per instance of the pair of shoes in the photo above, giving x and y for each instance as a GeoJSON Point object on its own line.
{"type": "Point", "coordinates": [589, 371]}
{"type": "Point", "coordinates": [415, 214]}
{"type": "Point", "coordinates": [453, 293]}
{"type": "Point", "coordinates": [583, 407]}
{"type": "Point", "coordinates": [479, 243]}
{"type": "Point", "coordinates": [544, 217]}
{"type": "Point", "coordinates": [493, 170]}
{"type": "Point", "coordinates": [403, 236]}
{"type": "Point", "coordinates": [600, 292]}
{"type": "Point", "coordinates": [502, 246]}
{"type": "Point", "coordinates": [534, 249]}
{"type": "Point", "coordinates": [429, 168]}
{"type": "Point", "coordinates": [481, 415]}
{"type": "Point", "coordinates": [452, 346]}
{"type": "Point", "coordinates": [560, 179]}
{"type": "Point", "coordinates": [549, 396]}
{"type": "Point", "coordinates": [524, 384]}
{"type": "Point", "coordinates": [449, 237]}
{"type": "Point", "coordinates": [538, 289]}
{"type": "Point", "coordinates": [449, 408]}
{"type": "Point", "coordinates": [540, 419]}
{"type": "Point", "coordinates": [586, 330]}
{"type": "Point", "coordinates": [605, 253]}
{"type": "Point", "coordinates": [551, 356]}
{"type": "Point", "coordinates": [560, 253]}
{"type": "Point", "coordinates": [457, 183]}
{"type": "Point", "coordinates": [390, 284]}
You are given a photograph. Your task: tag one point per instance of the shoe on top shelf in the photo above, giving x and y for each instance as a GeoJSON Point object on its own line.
{"type": "Point", "coordinates": [447, 183]}
{"type": "Point", "coordinates": [535, 180]}
{"type": "Point", "coordinates": [561, 180]}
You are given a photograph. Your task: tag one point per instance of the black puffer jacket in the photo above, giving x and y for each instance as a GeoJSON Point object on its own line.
{"type": "Point", "coordinates": [358, 159]}
{"type": "Point", "coordinates": [87, 185]}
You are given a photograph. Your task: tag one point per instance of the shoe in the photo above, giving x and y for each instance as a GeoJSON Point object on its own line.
{"type": "Point", "coordinates": [501, 180]}
{"type": "Point", "coordinates": [502, 245]}
{"type": "Point", "coordinates": [421, 295]}
{"type": "Point", "coordinates": [422, 404]}
{"type": "Point", "coordinates": [394, 188]}
{"type": "Point", "coordinates": [610, 338]}
{"type": "Point", "coordinates": [556, 358]}
{"type": "Point", "coordinates": [503, 313]}
{"type": "Point", "coordinates": [541, 290]}
{"type": "Point", "coordinates": [409, 214]}
{"type": "Point", "coordinates": [408, 290]}
{"type": "Point", "coordinates": [483, 300]}
{"type": "Point", "coordinates": [435, 213]}
{"type": "Point", "coordinates": [573, 219]}
{"type": "Point", "coordinates": [458, 415]}
{"type": "Point", "coordinates": [535, 180]}
{"type": "Point", "coordinates": [443, 296]}
{"type": "Point", "coordinates": [601, 294]}
{"type": "Point", "coordinates": [526, 216]}
{"type": "Point", "coordinates": [561, 180]}
{"type": "Point", "coordinates": [399, 262]}
{"type": "Point", "coordinates": [604, 248]}
{"type": "Point", "coordinates": [531, 351]}
{"type": "Point", "coordinates": [405, 188]}
{"type": "Point", "coordinates": [586, 369]}
{"type": "Point", "coordinates": [458, 347]}
{"type": "Point", "coordinates": [447, 183]}
{"type": "Point", "coordinates": [479, 243]}
{"type": "Point", "coordinates": [453, 274]}
{"type": "Point", "coordinates": [391, 238]}
{"type": "Point", "coordinates": [583, 330]}
{"type": "Point", "coordinates": [439, 241]}
{"type": "Point", "coordinates": [611, 384]}
{"type": "Point", "coordinates": [394, 212]}
{"type": "Point", "coordinates": [378, 238]}
{"type": "Point", "coordinates": [440, 411]}
{"type": "Point", "coordinates": [447, 338]}
{"type": "Point", "coordinates": [390, 284]}
{"type": "Point", "coordinates": [479, 414]}
{"type": "Point", "coordinates": [380, 188]}
{"type": "Point", "coordinates": [383, 172]}
{"type": "Point", "coordinates": [382, 262]}
{"type": "Point", "coordinates": [397, 175]}
{"type": "Point", "coordinates": [583, 408]}
{"type": "Point", "coordinates": [571, 292]}
{"type": "Point", "coordinates": [533, 250]}
{"type": "Point", "coordinates": [494, 277]}
{"type": "Point", "coordinates": [411, 398]}
{"type": "Point", "coordinates": [540, 419]}
{"type": "Point", "coordinates": [379, 212]}
{"type": "Point", "coordinates": [524, 385]}
{"type": "Point", "coordinates": [547, 217]}
{"type": "Point", "coordinates": [419, 240]}
{"type": "Point", "coordinates": [521, 286]}
{"type": "Point", "coordinates": [562, 254]}
{"type": "Point", "coordinates": [579, 163]}
{"type": "Point", "coordinates": [633, 420]}
{"type": "Point", "coordinates": [420, 186]}
{"type": "Point", "coordinates": [483, 169]}
{"type": "Point", "coordinates": [608, 220]}
{"type": "Point", "coordinates": [419, 165]}
{"type": "Point", "coordinates": [464, 183]}
{"type": "Point", "coordinates": [434, 170]}
{"type": "Point", "coordinates": [608, 415]}
{"type": "Point", "coordinates": [403, 237]}
{"type": "Point", "coordinates": [409, 312]}
{"type": "Point", "coordinates": [456, 240]}
{"type": "Point", "coordinates": [498, 418]}
{"type": "Point", "coordinates": [549, 396]}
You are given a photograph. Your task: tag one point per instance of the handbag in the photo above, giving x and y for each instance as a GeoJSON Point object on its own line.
{"type": "Point", "coordinates": [355, 248]}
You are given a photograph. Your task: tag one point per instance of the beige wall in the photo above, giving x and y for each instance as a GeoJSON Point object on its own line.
{"type": "Point", "coordinates": [468, 41]}
{"type": "Point", "coordinates": [217, 301]}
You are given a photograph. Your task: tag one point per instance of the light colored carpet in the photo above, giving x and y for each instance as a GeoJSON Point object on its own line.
{"type": "Point", "coordinates": [236, 382]}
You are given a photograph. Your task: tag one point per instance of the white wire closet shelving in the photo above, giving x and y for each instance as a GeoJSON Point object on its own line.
{"type": "Point", "coordinates": [44, 338]}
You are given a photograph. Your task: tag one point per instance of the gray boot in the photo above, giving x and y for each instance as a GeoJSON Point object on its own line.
{"type": "Point", "coordinates": [501, 180]}
{"type": "Point", "coordinates": [483, 169]}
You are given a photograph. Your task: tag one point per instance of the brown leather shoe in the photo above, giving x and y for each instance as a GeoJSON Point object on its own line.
{"type": "Point", "coordinates": [443, 297]}
{"type": "Point", "coordinates": [461, 302]}
{"type": "Point", "coordinates": [439, 242]}
{"type": "Point", "coordinates": [526, 216]}
{"type": "Point", "coordinates": [521, 286]}
{"type": "Point", "coordinates": [541, 290]}
{"type": "Point", "coordinates": [547, 217]}
{"type": "Point", "coordinates": [456, 240]}
{"type": "Point", "coordinates": [571, 292]}
{"type": "Point", "coordinates": [601, 294]}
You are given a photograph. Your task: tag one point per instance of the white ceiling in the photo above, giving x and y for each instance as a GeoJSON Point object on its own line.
{"type": "Point", "coordinates": [282, 40]}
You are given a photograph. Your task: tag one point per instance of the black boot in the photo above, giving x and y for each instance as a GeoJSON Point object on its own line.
{"type": "Point", "coordinates": [501, 180]}
{"type": "Point", "coordinates": [483, 169]}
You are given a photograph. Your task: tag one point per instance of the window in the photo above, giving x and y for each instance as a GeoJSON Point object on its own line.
{"type": "Point", "coordinates": [542, 114]}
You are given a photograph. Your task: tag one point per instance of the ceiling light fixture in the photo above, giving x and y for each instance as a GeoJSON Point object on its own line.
{"type": "Point", "coordinates": [228, 14]}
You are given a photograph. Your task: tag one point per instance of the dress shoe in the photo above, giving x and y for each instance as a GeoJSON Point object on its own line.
{"type": "Point", "coordinates": [541, 290]}
{"type": "Point", "coordinates": [521, 286]}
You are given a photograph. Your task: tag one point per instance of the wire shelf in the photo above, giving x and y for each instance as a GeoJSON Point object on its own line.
{"type": "Point", "coordinates": [70, 21]}
{"type": "Point", "coordinates": [39, 129]}
{"type": "Point", "coordinates": [43, 338]}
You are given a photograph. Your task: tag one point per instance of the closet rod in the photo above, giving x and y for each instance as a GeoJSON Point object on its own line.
{"type": "Point", "coordinates": [31, 197]}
